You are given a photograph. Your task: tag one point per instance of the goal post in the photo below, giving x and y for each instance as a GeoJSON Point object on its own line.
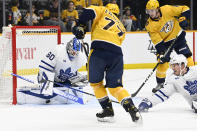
{"type": "Point", "coordinates": [21, 55]}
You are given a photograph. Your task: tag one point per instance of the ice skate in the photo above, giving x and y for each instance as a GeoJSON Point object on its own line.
{"type": "Point", "coordinates": [106, 115]}
{"type": "Point", "coordinates": [132, 110]}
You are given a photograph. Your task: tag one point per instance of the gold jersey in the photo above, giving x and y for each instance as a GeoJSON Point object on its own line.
{"type": "Point", "coordinates": [95, 2]}
{"type": "Point", "coordinates": [66, 13]}
{"type": "Point", "coordinates": [106, 26]}
{"type": "Point", "coordinates": [80, 2]}
{"type": "Point", "coordinates": [167, 26]}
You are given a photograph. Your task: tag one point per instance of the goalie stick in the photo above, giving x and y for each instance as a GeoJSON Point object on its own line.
{"type": "Point", "coordinates": [167, 51]}
{"type": "Point", "coordinates": [78, 90]}
{"type": "Point", "coordinates": [56, 91]}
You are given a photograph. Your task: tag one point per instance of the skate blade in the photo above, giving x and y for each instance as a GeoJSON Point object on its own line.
{"type": "Point", "coordinates": [139, 122]}
{"type": "Point", "coordinates": [106, 119]}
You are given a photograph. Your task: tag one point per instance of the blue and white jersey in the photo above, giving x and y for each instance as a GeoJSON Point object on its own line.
{"type": "Point", "coordinates": [186, 85]}
{"type": "Point", "coordinates": [57, 61]}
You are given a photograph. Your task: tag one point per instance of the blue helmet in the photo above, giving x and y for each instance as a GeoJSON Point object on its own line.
{"type": "Point", "coordinates": [73, 47]}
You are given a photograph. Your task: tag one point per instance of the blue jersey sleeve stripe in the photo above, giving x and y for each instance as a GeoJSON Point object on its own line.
{"type": "Point", "coordinates": [45, 68]}
{"type": "Point", "coordinates": [47, 64]}
{"type": "Point", "coordinates": [163, 94]}
{"type": "Point", "coordinates": [160, 97]}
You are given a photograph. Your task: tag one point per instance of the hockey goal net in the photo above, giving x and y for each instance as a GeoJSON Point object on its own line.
{"type": "Point", "coordinates": [21, 49]}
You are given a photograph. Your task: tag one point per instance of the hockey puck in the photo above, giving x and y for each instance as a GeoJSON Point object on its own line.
{"type": "Point", "coordinates": [48, 101]}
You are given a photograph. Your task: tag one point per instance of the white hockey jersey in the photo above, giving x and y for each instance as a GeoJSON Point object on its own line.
{"type": "Point", "coordinates": [57, 61]}
{"type": "Point", "coordinates": [186, 85]}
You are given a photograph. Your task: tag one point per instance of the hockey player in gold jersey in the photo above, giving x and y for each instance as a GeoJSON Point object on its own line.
{"type": "Point", "coordinates": [106, 59]}
{"type": "Point", "coordinates": [164, 25]}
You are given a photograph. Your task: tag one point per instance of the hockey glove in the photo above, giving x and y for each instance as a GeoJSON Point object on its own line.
{"type": "Point", "coordinates": [183, 22]}
{"type": "Point", "coordinates": [145, 105]}
{"type": "Point", "coordinates": [79, 32]}
{"type": "Point", "coordinates": [162, 59]}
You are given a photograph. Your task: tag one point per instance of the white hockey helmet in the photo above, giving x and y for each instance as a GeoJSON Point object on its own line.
{"type": "Point", "coordinates": [73, 47]}
{"type": "Point", "coordinates": [178, 59]}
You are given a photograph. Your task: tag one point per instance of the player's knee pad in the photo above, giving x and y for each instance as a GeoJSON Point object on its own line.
{"type": "Point", "coordinates": [119, 93]}
{"type": "Point", "coordinates": [190, 61]}
{"type": "Point", "coordinates": [161, 70]}
{"type": "Point", "coordinates": [99, 90]}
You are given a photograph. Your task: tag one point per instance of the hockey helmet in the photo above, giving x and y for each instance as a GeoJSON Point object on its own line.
{"type": "Point", "coordinates": [152, 4]}
{"type": "Point", "coordinates": [178, 59]}
{"type": "Point", "coordinates": [73, 47]}
{"type": "Point", "coordinates": [113, 8]}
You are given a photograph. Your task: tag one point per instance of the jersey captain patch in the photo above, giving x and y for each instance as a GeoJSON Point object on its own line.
{"type": "Point", "coordinates": [167, 27]}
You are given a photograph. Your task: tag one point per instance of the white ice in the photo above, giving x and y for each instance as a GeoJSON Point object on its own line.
{"type": "Point", "coordinates": [173, 115]}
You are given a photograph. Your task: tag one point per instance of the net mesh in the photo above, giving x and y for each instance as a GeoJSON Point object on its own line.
{"type": "Point", "coordinates": [6, 67]}
{"type": "Point", "coordinates": [31, 45]}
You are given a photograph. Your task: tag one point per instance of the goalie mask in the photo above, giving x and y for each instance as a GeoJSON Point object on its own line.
{"type": "Point", "coordinates": [73, 47]}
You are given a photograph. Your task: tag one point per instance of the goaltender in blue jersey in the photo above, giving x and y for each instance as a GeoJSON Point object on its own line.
{"type": "Point", "coordinates": [164, 25]}
{"type": "Point", "coordinates": [106, 59]}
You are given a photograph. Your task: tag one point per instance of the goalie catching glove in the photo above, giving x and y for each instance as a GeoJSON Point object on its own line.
{"type": "Point", "coordinates": [79, 80]}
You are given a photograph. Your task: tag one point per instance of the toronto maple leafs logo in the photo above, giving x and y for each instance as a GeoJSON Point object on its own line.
{"type": "Point", "coordinates": [191, 87]}
{"type": "Point", "coordinates": [167, 27]}
{"type": "Point", "coordinates": [64, 75]}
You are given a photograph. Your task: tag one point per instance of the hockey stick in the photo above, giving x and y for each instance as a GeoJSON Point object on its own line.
{"type": "Point", "coordinates": [59, 85]}
{"type": "Point", "coordinates": [167, 51]}
{"type": "Point", "coordinates": [56, 91]}
{"type": "Point", "coordinates": [86, 48]}
{"type": "Point", "coordinates": [77, 90]}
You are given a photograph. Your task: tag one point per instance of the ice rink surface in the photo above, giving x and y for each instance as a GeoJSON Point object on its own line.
{"type": "Point", "coordinates": [173, 115]}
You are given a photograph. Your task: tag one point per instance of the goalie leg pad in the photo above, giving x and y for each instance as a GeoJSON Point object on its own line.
{"type": "Point", "coordinates": [46, 85]}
